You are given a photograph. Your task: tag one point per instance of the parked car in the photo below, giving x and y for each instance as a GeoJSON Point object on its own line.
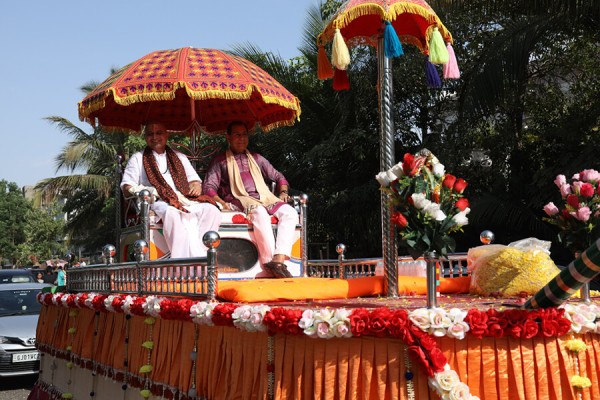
{"type": "Point", "coordinates": [19, 312]}
{"type": "Point", "coordinates": [16, 276]}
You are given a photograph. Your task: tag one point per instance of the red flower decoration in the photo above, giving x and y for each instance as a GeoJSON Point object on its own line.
{"type": "Point", "coordinates": [98, 302]}
{"type": "Point", "coordinates": [117, 304]}
{"type": "Point", "coordinates": [398, 323]}
{"type": "Point", "coordinates": [448, 182]}
{"type": "Point", "coordinates": [281, 320]}
{"type": "Point", "coordinates": [221, 315]}
{"type": "Point", "coordinates": [477, 321]}
{"type": "Point", "coordinates": [359, 322]}
{"type": "Point", "coordinates": [399, 220]}
{"type": "Point", "coordinates": [379, 321]}
{"type": "Point", "coordinates": [81, 300]}
{"type": "Point", "coordinates": [460, 185]}
{"type": "Point", "coordinates": [136, 307]}
{"type": "Point", "coordinates": [587, 190]}
{"type": "Point", "coordinates": [239, 219]}
{"type": "Point", "coordinates": [178, 310]}
{"type": "Point", "coordinates": [462, 204]}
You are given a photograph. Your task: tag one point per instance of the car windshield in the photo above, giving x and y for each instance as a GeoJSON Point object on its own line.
{"type": "Point", "coordinates": [16, 278]}
{"type": "Point", "coordinates": [15, 302]}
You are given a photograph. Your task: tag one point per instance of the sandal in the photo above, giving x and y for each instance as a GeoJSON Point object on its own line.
{"type": "Point", "coordinates": [279, 270]}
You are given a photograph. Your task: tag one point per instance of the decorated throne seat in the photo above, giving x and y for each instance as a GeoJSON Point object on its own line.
{"type": "Point", "coordinates": [238, 254]}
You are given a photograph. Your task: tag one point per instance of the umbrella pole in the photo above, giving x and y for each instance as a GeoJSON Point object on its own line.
{"type": "Point", "coordinates": [386, 149]}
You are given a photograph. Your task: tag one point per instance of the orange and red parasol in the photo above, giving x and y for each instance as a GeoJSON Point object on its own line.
{"type": "Point", "coordinates": [185, 86]}
{"type": "Point", "coordinates": [402, 21]}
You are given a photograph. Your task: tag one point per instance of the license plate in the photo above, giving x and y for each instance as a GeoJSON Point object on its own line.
{"type": "Point", "coordinates": [24, 357]}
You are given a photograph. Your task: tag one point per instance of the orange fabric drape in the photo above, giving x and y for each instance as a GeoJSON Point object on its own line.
{"type": "Point", "coordinates": [233, 364]}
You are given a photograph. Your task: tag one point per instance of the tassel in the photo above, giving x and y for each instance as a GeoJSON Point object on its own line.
{"type": "Point", "coordinates": [431, 76]}
{"type": "Point", "coordinates": [438, 54]}
{"type": "Point", "coordinates": [450, 69]}
{"type": "Point", "coordinates": [393, 46]}
{"type": "Point", "coordinates": [340, 80]}
{"type": "Point", "coordinates": [340, 56]}
{"type": "Point", "coordinates": [324, 69]}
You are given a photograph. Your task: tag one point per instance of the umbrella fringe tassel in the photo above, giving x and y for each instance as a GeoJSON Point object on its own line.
{"type": "Point", "coordinates": [450, 69]}
{"type": "Point", "coordinates": [438, 53]}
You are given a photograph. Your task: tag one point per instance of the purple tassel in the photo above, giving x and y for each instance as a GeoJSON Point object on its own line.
{"type": "Point", "coordinates": [431, 75]}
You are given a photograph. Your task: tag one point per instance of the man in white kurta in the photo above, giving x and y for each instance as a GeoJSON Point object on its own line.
{"type": "Point", "coordinates": [183, 228]}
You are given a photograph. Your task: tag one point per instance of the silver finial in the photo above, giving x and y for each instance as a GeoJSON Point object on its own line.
{"type": "Point", "coordinates": [487, 237]}
{"type": "Point", "coordinates": [211, 239]}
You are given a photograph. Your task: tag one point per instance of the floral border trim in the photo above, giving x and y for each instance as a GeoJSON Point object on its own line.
{"type": "Point", "coordinates": [416, 328]}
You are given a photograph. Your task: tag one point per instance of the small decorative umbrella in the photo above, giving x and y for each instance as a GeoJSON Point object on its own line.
{"type": "Point", "coordinates": [385, 24]}
{"type": "Point", "coordinates": [190, 86]}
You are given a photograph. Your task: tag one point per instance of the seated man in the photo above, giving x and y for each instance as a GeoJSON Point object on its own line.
{"type": "Point", "coordinates": [186, 213]}
{"type": "Point", "coordinates": [236, 180]}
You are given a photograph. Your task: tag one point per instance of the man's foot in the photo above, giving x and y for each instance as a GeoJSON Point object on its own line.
{"type": "Point", "coordinates": [279, 270]}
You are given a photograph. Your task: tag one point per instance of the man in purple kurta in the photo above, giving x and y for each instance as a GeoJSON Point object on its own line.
{"type": "Point", "coordinates": [236, 180]}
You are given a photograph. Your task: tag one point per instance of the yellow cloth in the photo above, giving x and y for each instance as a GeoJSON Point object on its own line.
{"type": "Point", "coordinates": [237, 185]}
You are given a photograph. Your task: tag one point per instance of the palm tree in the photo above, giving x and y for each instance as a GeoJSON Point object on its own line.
{"type": "Point", "coordinates": [89, 186]}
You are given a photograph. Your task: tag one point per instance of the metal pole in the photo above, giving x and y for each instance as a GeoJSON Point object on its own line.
{"type": "Point", "coordinates": [143, 198]}
{"type": "Point", "coordinates": [386, 146]}
{"type": "Point", "coordinates": [212, 240]}
{"type": "Point", "coordinates": [304, 234]}
{"type": "Point", "coordinates": [341, 249]}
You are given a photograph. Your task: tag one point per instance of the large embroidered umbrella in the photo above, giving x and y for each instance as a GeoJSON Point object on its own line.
{"type": "Point", "coordinates": [190, 86]}
{"type": "Point", "coordinates": [385, 24]}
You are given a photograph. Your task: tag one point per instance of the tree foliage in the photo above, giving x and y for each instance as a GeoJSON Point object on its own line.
{"type": "Point", "coordinates": [26, 232]}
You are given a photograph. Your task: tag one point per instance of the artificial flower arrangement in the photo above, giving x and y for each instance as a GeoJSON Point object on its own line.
{"type": "Point", "coordinates": [429, 203]}
{"type": "Point", "coordinates": [579, 216]}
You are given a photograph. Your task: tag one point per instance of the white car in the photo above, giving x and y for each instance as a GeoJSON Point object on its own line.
{"type": "Point", "coordinates": [19, 311]}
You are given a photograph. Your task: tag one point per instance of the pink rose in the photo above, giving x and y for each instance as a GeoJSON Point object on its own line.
{"type": "Point", "coordinates": [589, 175]}
{"type": "Point", "coordinates": [575, 177]}
{"type": "Point", "coordinates": [560, 181]}
{"type": "Point", "coordinates": [583, 214]}
{"type": "Point", "coordinates": [551, 209]}
{"type": "Point", "coordinates": [587, 190]}
{"type": "Point", "coordinates": [577, 186]}
{"type": "Point", "coordinates": [565, 190]}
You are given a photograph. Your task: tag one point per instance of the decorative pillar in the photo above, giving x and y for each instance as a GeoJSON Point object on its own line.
{"type": "Point", "coordinates": [386, 146]}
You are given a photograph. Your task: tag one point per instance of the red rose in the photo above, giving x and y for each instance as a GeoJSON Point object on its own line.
{"type": "Point", "coordinates": [427, 342]}
{"type": "Point", "coordinates": [438, 359]}
{"type": "Point", "coordinates": [81, 300]}
{"type": "Point", "coordinates": [411, 164]}
{"type": "Point", "coordinates": [598, 189]}
{"type": "Point", "coordinates": [398, 323]}
{"type": "Point", "coordinates": [548, 328]}
{"type": "Point", "coordinates": [573, 201]}
{"type": "Point", "coordinates": [449, 181]}
{"type": "Point", "coordinates": [477, 321]}
{"type": "Point", "coordinates": [359, 322]}
{"type": "Point", "coordinates": [587, 190]}
{"type": "Point", "coordinates": [117, 304]}
{"type": "Point", "coordinates": [239, 219]}
{"type": "Point", "coordinates": [136, 306]}
{"type": "Point", "coordinates": [98, 302]}
{"type": "Point", "coordinates": [380, 318]}
{"type": "Point", "coordinates": [462, 204]}
{"type": "Point", "coordinates": [420, 358]}
{"type": "Point", "coordinates": [399, 220]}
{"type": "Point", "coordinates": [292, 319]}
{"type": "Point", "coordinates": [530, 329]}
{"type": "Point", "coordinates": [221, 315]}
{"type": "Point", "coordinates": [281, 320]}
{"type": "Point", "coordinates": [274, 220]}
{"type": "Point", "coordinates": [460, 185]}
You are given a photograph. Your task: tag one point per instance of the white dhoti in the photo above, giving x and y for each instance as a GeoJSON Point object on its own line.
{"type": "Point", "coordinates": [266, 242]}
{"type": "Point", "coordinates": [183, 231]}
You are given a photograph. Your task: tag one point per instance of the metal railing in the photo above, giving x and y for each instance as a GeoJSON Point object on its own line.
{"type": "Point", "coordinates": [455, 265]}
{"type": "Point", "coordinates": [194, 277]}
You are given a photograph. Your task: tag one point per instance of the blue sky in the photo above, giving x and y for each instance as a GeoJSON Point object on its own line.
{"type": "Point", "coordinates": [50, 49]}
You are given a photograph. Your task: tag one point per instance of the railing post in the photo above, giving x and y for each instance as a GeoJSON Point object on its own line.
{"type": "Point", "coordinates": [212, 240]}
{"type": "Point", "coordinates": [341, 249]}
{"type": "Point", "coordinates": [108, 252]}
{"type": "Point", "coordinates": [304, 235]}
{"type": "Point", "coordinates": [144, 201]}
{"type": "Point", "coordinates": [140, 248]}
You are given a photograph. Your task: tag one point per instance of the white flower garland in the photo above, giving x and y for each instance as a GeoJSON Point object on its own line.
{"type": "Point", "coordinates": [335, 323]}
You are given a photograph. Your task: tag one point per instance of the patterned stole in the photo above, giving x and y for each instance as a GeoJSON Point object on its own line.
{"type": "Point", "coordinates": [266, 198]}
{"type": "Point", "coordinates": [165, 191]}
